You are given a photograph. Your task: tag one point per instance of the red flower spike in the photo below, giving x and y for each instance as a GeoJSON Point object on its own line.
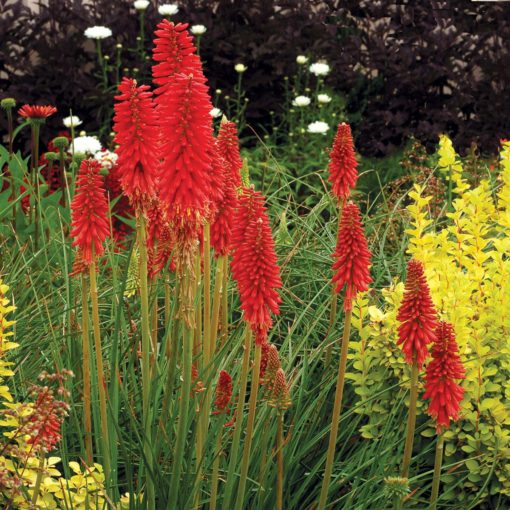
{"type": "Point", "coordinates": [228, 143]}
{"type": "Point", "coordinates": [352, 257]}
{"type": "Point", "coordinates": [89, 212]}
{"type": "Point", "coordinates": [186, 183]}
{"type": "Point", "coordinates": [136, 125]}
{"type": "Point", "coordinates": [175, 53]}
{"type": "Point", "coordinates": [254, 264]}
{"type": "Point", "coordinates": [440, 386]}
{"type": "Point", "coordinates": [36, 112]}
{"type": "Point", "coordinates": [342, 167]}
{"type": "Point", "coordinates": [417, 315]}
{"type": "Point", "coordinates": [273, 364]}
{"type": "Point", "coordinates": [221, 228]}
{"type": "Point", "coordinates": [223, 393]}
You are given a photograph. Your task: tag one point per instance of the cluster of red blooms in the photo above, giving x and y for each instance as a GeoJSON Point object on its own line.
{"type": "Point", "coordinates": [89, 207]}
{"type": "Point", "coordinates": [352, 257]}
{"type": "Point", "coordinates": [418, 328]}
{"type": "Point", "coordinates": [441, 375]}
{"type": "Point", "coordinates": [417, 315]}
{"type": "Point", "coordinates": [254, 264]}
{"type": "Point", "coordinates": [342, 168]}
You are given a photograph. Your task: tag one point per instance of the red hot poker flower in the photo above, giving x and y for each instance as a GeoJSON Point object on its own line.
{"type": "Point", "coordinates": [228, 143]}
{"type": "Point", "coordinates": [342, 167]}
{"type": "Point", "coordinates": [352, 257]}
{"type": "Point", "coordinates": [175, 53]}
{"type": "Point", "coordinates": [36, 112]}
{"type": "Point", "coordinates": [186, 148]}
{"type": "Point", "coordinates": [136, 125]}
{"type": "Point", "coordinates": [442, 372]}
{"type": "Point", "coordinates": [89, 212]}
{"type": "Point", "coordinates": [280, 397]}
{"type": "Point", "coordinates": [223, 393]}
{"type": "Point", "coordinates": [417, 315]}
{"type": "Point", "coordinates": [254, 264]}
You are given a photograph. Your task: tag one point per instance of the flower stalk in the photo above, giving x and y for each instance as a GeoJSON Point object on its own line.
{"type": "Point", "coordinates": [437, 471]}
{"type": "Point", "coordinates": [87, 370]}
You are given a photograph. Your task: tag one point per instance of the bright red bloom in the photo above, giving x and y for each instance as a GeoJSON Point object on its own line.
{"type": "Point", "coordinates": [352, 256]}
{"type": "Point", "coordinates": [417, 315]}
{"type": "Point", "coordinates": [223, 392]}
{"type": "Point", "coordinates": [186, 185]}
{"type": "Point", "coordinates": [342, 167]}
{"type": "Point", "coordinates": [175, 53]}
{"type": "Point", "coordinates": [228, 143]}
{"type": "Point", "coordinates": [254, 264]}
{"type": "Point", "coordinates": [136, 125]}
{"type": "Point", "coordinates": [89, 211]}
{"type": "Point", "coordinates": [221, 228]}
{"type": "Point", "coordinates": [36, 112]}
{"type": "Point", "coordinates": [440, 386]}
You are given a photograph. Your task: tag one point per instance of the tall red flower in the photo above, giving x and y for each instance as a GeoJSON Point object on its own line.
{"type": "Point", "coordinates": [223, 392]}
{"type": "Point", "coordinates": [352, 257]}
{"type": "Point", "coordinates": [36, 112]}
{"type": "Point", "coordinates": [136, 125]}
{"type": "Point", "coordinates": [186, 184]}
{"type": "Point", "coordinates": [228, 143]}
{"type": "Point", "coordinates": [221, 227]}
{"type": "Point", "coordinates": [254, 264]}
{"type": "Point", "coordinates": [442, 372]}
{"type": "Point", "coordinates": [174, 53]}
{"type": "Point", "coordinates": [89, 211]}
{"type": "Point", "coordinates": [343, 172]}
{"type": "Point", "coordinates": [417, 315]}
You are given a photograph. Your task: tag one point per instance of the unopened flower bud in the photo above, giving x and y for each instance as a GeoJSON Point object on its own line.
{"type": "Point", "coordinates": [61, 142]}
{"type": "Point", "coordinates": [8, 103]}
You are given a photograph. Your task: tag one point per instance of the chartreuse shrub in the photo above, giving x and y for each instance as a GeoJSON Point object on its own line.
{"type": "Point", "coordinates": [465, 253]}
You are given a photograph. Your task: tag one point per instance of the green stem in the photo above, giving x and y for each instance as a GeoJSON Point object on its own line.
{"type": "Point", "coordinates": [87, 412]}
{"type": "Point", "coordinates": [38, 480]}
{"type": "Point", "coordinates": [105, 438]}
{"type": "Point", "coordinates": [238, 427]}
{"type": "Point", "coordinates": [35, 170]}
{"type": "Point", "coordinates": [11, 141]}
{"type": "Point", "coordinates": [279, 477]}
{"type": "Point", "coordinates": [216, 465]}
{"type": "Point", "coordinates": [187, 311]}
{"type": "Point", "coordinates": [337, 409]}
{"type": "Point", "coordinates": [411, 420]}
{"type": "Point", "coordinates": [437, 472]}
{"type": "Point", "coordinates": [146, 353]}
{"type": "Point", "coordinates": [245, 463]}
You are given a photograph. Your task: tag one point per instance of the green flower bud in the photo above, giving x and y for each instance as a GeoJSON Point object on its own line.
{"type": "Point", "coordinates": [104, 172]}
{"type": "Point", "coordinates": [8, 103]}
{"type": "Point", "coordinates": [61, 142]}
{"type": "Point", "coordinates": [51, 156]}
{"type": "Point", "coordinates": [395, 486]}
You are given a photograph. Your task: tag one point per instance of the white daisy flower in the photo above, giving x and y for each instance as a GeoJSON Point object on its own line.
{"type": "Point", "coordinates": [86, 145]}
{"type": "Point", "coordinates": [320, 69]}
{"type": "Point", "coordinates": [215, 113]}
{"type": "Point", "coordinates": [318, 127]}
{"type": "Point", "coordinates": [168, 9]}
{"type": "Point", "coordinates": [98, 32]}
{"type": "Point", "coordinates": [198, 29]}
{"type": "Point", "coordinates": [301, 101]}
{"type": "Point", "coordinates": [141, 5]}
{"type": "Point", "coordinates": [301, 59]}
{"type": "Point", "coordinates": [240, 68]}
{"type": "Point", "coordinates": [324, 98]}
{"type": "Point", "coordinates": [72, 121]}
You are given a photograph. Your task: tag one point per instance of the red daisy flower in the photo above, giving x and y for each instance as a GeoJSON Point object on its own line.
{"type": "Point", "coordinates": [36, 112]}
{"type": "Point", "coordinates": [442, 372]}
{"type": "Point", "coordinates": [89, 212]}
{"type": "Point", "coordinates": [254, 264]}
{"type": "Point", "coordinates": [342, 167]}
{"type": "Point", "coordinates": [352, 257]}
{"type": "Point", "coordinates": [417, 315]}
